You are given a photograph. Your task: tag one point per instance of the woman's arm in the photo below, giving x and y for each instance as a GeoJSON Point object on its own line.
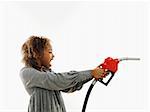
{"type": "Point", "coordinates": [54, 81]}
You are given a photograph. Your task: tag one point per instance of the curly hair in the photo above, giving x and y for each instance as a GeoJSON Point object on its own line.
{"type": "Point", "coordinates": [33, 50]}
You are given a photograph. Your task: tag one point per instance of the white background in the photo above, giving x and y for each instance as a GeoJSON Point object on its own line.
{"type": "Point", "coordinates": [83, 34]}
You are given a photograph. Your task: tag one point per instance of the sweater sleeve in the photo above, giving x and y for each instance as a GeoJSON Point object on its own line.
{"type": "Point", "coordinates": [78, 86]}
{"type": "Point", "coordinates": [54, 81]}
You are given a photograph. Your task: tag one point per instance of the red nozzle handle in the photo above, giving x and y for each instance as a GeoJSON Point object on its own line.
{"type": "Point", "coordinates": [110, 64]}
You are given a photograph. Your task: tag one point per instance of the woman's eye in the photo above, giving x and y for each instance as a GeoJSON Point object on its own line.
{"type": "Point", "coordinates": [50, 52]}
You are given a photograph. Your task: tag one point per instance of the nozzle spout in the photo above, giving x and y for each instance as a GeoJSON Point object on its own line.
{"type": "Point", "coordinates": [127, 58]}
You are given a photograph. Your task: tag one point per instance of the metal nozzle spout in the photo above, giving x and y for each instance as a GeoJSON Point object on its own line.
{"type": "Point", "coordinates": [127, 58]}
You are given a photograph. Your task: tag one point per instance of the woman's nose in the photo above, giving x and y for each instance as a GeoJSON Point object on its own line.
{"type": "Point", "coordinates": [53, 55]}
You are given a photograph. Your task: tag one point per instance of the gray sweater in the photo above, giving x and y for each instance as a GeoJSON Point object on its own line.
{"type": "Point", "coordinates": [45, 88]}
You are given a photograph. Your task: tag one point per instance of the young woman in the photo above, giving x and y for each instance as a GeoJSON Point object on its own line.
{"type": "Point", "coordinates": [44, 85]}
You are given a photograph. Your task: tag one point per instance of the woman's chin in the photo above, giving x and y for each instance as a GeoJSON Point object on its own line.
{"type": "Point", "coordinates": [50, 65]}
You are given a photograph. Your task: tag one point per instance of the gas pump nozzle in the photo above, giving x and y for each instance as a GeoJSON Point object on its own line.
{"type": "Point", "coordinates": [111, 66]}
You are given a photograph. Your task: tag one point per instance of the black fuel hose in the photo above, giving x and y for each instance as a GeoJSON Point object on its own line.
{"type": "Point", "coordinates": [87, 95]}
{"type": "Point", "coordinates": [91, 87]}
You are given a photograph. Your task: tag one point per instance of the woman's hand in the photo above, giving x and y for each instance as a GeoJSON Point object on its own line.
{"type": "Point", "coordinates": [98, 73]}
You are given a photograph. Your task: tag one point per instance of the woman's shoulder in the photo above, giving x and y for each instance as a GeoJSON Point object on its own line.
{"type": "Point", "coordinates": [30, 70]}
{"type": "Point", "coordinates": [25, 68]}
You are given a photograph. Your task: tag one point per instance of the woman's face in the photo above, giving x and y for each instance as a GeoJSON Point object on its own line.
{"type": "Point", "coordinates": [47, 57]}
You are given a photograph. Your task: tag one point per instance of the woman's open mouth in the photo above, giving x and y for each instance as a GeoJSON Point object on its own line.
{"type": "Point", "coordinates": [50, 62]}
